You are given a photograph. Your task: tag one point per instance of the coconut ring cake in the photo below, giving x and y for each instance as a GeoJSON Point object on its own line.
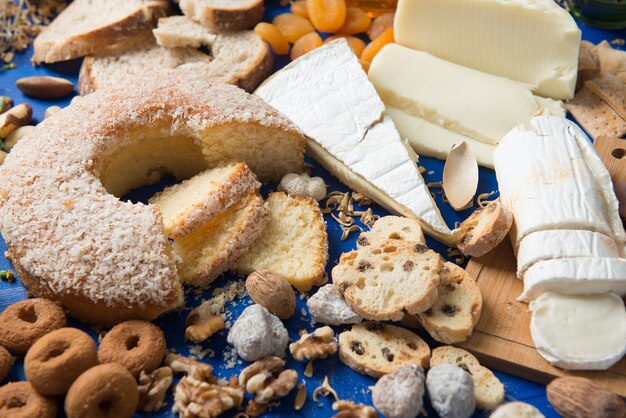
{"type": "Point", "coordinates": [71, 238]}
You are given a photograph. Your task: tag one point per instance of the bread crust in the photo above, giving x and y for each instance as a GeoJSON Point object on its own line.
{"type": "Point", "coordinates": [97, 39]}
{"type": "Point", "coordinates": [224, 20]}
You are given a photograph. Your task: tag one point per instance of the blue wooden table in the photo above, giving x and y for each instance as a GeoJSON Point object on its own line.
{"type": "Point", "coordinates": [348, 384]}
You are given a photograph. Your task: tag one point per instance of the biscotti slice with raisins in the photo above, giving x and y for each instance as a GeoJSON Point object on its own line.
{"type": "Point", "coordinates": [376, 349]}
{"type": "Point", "coordinates": [383, 282]}
{"type": "Point", "coordinates": [392, 227]}
{"type": "Point", "coordinates": [457, 309]}
{"type": "Point", "coordinates": [488, 389]}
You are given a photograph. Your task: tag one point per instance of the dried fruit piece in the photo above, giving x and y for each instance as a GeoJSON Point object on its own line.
{"type": "Point", "coordinates": [379, 25]}
{"type": "Point", "coordinates": [300, 8]}
{"type": "Point", "coordinates": [357, 21]}
{"type": "Point", "coordinates": [327, 15]}
{"type": "Point", "coordinates": [355, 43]}
{"type": "Point", "coordinates": [365, 65]}
{"type": "Point", "coordinates": [292, 27]}
{"type": "Point", "coordinates": [270, 34]}
{"type": "Point", "coordinates": [307, 43]}
{"type": "Point", "coordinates": [377, 44]}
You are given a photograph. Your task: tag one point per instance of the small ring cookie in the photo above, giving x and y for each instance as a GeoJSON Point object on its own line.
{"type": "Point", "coordinates": [21, 400]}
{"type": "Point", "coordinates": [137, 345]}
{"type": "Point", "coordinates": [104, 391]}
{"type": "Point", "coordinates": [6, 361]}
{"type": "Point", "coordinates": [24, 322]}
{"type": "Point", "coordinates": [57, 359]}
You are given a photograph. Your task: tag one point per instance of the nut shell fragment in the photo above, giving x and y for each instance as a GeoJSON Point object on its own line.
{"type": "Point", "coordinates": [460, 176]}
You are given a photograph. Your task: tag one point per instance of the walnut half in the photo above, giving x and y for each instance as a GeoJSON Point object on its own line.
{"type": "Point", "coordinates": [153, 388]}
{"type": "Point", "coordinates": [202, 323]}
{"type": "Point", "coordinates": [182, 364]}
{"type": "Point", "coordinates": [267, 379]}
{"type": "Point", "coordinates": [319, 344]}
{"type": "Point", "coordinates": [349, 409]}
{"type": "Point", "coordinates": [198, 399]}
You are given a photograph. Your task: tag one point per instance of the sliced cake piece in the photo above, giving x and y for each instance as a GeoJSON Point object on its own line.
{"type": "Point", "coordinates": [457, 309]}
{"type": "Point", "coordinates": [89, 26]}
{"type": "Point", "coordinates": [383, 282]}
{"type": "Point", "coordinates": [392, 227]}
{"type": "Point", "coordinates": [224, 15]}
{"type": "Point", "coordinates": [294, 244]}
{"type": "Point", "coordinates": [489, 391]}
{"type": "Point", "coordinates": [180, 32]}
{"type": "Point", "coordinates": [212, 249]}
{"type": "Point", "coordinates": [239, 58]}
{"type": "Point", "coordinates": [376, 349]}
{"type": "Point", "coordinates": [189, 205]}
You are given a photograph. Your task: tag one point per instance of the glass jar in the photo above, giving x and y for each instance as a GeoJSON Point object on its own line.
{"type": "Point", "coordinates": [609, 14]}
{"type": "Point", "coordinates": [375, 7]}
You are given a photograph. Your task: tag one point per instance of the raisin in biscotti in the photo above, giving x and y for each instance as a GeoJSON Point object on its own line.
{"type": "Point", "coordinates": [488, 390]}
{"type": "Point", "coordinates": [383, 282]}
{"type": "Point", "coordinates": [392, 227]}
{"type": "Point", "coordinates": [457, 309]}
{"type": "Point", "coordinates": [376, 349]}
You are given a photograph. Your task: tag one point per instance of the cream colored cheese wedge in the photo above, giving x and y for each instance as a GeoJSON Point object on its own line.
{"type": "Point", "coordinates": [469, 102]}
{"type": "Point", "coordinates": [480, 34]}
{"type": "Point", "coordinates": [579, 332]}
{"type": "Point", "coordinates": [327, 94]}
{"type": "Point", "coordinates": [549, 181]}
{"type": "Point", "coordinates": [547, 245]}
{"type": "Point", "coordinates": [581, 275]}
{"type": "Point", "coordinates": [432, 140]}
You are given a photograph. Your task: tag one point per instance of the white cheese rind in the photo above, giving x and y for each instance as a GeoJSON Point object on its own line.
{"type": "Point", "coordinates": [582, 275]}
{"type": "Point", "coordinates": [469, 102]}
{"type": "Point", "coordinates": [432, 140]}
{"type": "Point", "coordinates": [327, 95]}
{"type": "Point", "coordinates": [480, 33]}
{"type": "Point", "coordinates": [579, 332]}
{"type": "Point", "coordinates": [547, 245]}
{"type": "Point", "coordinates": [546, 180]}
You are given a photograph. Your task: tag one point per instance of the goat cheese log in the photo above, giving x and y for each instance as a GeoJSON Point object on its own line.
{"type": "Point", "coordinates": [569, 242]}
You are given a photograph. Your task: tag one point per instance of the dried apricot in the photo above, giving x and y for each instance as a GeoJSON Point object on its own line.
{"type": "Point", "coordinates": [357, 21]}
{"type": "Point", "coordinates": [365, 65]}
{"type": "Point", "coordinates": [355, 43]}
{"type": "Point", "coordinates": [379, 25]}
{"type": "Point", "coordinates": [327, 15]}
{"type": "Point", "coordinates": [377, 44]}
{"type": "Point", "coordinates": [272, 36]}
{"type": "Point", "coordinates": [307, 43]}
{"type": "Point", "coordinates": [293, 27]}
{"type": "Point", "coordinates": [299, 8]}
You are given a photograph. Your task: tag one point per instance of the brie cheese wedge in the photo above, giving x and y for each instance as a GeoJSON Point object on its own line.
{"type": "Point", "coordinates": [550, 178]}
{"type": "Point", "coordinates": [429, 139]}
{"type": "Point", "coordinates": [581, 275]}
{"type": "Point", "coordinates": [531, 41]}
{"type": "Point", "coordinates": [579, 332]}
{"type": "Point", "coordinates": [327, 95]}
{"type": "Point", "coordinates": [554, 244]}
{"type": "Point", "coordinates": [469, 102]}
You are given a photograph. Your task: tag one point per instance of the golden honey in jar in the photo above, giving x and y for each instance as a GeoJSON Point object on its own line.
{"type": "Point", "coordinates": [375, 7]}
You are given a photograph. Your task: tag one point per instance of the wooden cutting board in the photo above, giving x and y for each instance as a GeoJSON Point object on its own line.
{"type": "Point", "coordinates": [502, 340]}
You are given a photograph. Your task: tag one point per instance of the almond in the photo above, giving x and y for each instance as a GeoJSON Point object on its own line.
{"type": "Point", "coordinates": [45, 87]}
{"type": "Point", "coordinates": [577, 397]}
{"type": "Point", "coordinates": [273, 292]}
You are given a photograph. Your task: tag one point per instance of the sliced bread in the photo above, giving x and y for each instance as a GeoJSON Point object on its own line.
{"type": "Point", "coordinates": [89, 26]}
{"type": "Point", "coordinates": [484, 229]}
{"type": "Point", "coordinates": [376, 349]}
{"type": "Point", "coordinates": [392, 227]}
{"type": "Point", "coordinates": [457, 309]}
{"type": "Point", "coordinates": [224, 15]}
{"type": "Point", "coordinates": [489, 391]}
{"type": "Point", "coordinates": [194, 202]}
{"type": "Point", "coordinates": [239, 58]}
{"type": "Point", "coordinates": [181, 32]}
{"type": "Point", "coordinates": [294, 244]}
{"type": "Point", "coordinates": [212, 249]}
{"type": "Point", "coordinates": [383, 282]}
